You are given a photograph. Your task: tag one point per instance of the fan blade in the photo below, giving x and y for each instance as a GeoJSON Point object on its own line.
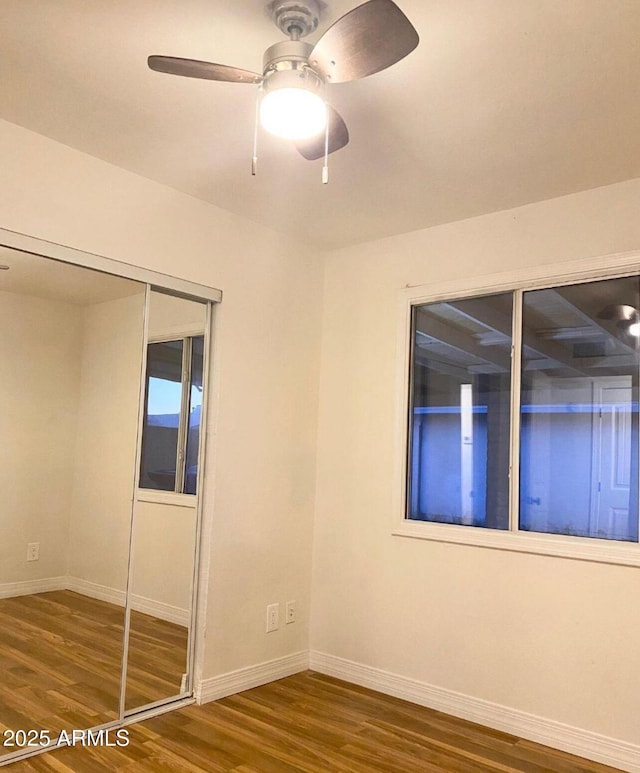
{"type": "Point", "coordinates": [338, 137]}
{"type": "Point", "coordinates": [193, 68]}
{"type": "Point", "coordinates": [368, 39]}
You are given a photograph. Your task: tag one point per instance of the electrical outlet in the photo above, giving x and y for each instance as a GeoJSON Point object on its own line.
{"type": "Point", "coordinates": [33, 551]}
{"type": "Point", "coordinates": [291, 612]}
{"type": "Point", "coordinates": [273, 617]}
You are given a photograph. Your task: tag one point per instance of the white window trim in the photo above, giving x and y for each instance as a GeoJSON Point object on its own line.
{"type": "Point", "coordinates": [548, 275]}
{"type": "Point", "coordinates": [158, 497]}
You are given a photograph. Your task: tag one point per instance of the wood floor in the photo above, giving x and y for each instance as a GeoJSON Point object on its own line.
{"type": "Point", "coordinates": [61, 656]}
{"type": "Point", "coordinates": [315, 724]}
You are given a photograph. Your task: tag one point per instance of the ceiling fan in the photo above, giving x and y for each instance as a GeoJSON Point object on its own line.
{"type": "Point", "coordinates": [626, 318]}
{"type": "Point", "coordinates": [295, 75]}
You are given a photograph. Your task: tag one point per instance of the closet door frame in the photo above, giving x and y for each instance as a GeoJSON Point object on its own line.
{"type": "Point", "coordinates": [191, 291]}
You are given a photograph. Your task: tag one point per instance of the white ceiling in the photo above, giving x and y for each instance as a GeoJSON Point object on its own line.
{"type": "Point", "coordinates": [45, 278]}
{"type": "Point", "coordinates": [504, 102]}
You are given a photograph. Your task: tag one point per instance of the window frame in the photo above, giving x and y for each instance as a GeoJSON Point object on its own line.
{"type": "Point", "coordinates": [518, 282]}
{"type": "Point", "coordinates": [178, 496]}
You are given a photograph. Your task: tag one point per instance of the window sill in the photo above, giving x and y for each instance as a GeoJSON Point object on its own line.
{"type": "Point", "coordinates": [166, 498]}
{"type": "Point", "coordinates": [577, 548]}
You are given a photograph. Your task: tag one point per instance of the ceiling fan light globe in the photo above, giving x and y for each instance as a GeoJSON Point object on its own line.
{"type": "Point", "coordinates": [634, 329]}
{"type": "Point", "coordinates": [293, 113]}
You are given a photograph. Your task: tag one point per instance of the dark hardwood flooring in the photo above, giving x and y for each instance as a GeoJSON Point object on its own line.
{"type": "Point", "coordinates": [312, 724]}
{"type": "Point", "coordinates": [60, 661]}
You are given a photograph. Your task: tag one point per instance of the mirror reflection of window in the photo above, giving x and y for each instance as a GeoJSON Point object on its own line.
{"type": "Point", "coordinates": [194, 416]}
{"type": "Point", "coordinates": [173, 403]}
{"type": "Point", "coordinates": [162, 415]}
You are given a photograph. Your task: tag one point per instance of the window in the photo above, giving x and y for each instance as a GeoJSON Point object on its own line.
{"type": "Point", "coordinates": [557, 405]}
{"type": "Point", "coordinates": [579, 410]}
{"type": "Point", "coordinates": [173, 403]}
{"type": "Point", "coordinates": [461, 382]}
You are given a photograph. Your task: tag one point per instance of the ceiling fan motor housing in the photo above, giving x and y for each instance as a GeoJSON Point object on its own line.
{"type": "Point", "coordinates": [285, 65]}
{"type": "Point", "coordinates": [286, 55]}
{"type": "Point", "coordinates": [296, 18]}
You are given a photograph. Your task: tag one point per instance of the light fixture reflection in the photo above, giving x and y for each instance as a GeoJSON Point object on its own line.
{"type": "Point", "coordinates": [626, 317]}
{"type": "Point", "coordinates": [293, 113]}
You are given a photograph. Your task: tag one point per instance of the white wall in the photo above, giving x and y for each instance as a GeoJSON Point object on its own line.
{"type": "Point", "coordinates": [107, 430]}
{"type": "Point", "coordinates": [39, 388]}
{"type": "Point", "coordinates": [262, 428]}
{"type": "Point", "coordinates": [554, 637]}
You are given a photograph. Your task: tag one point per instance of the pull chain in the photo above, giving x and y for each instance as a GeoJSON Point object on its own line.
{"type": "Point", "coordinates": [325, 168]}
{"type": "Point", "coordinates": [254, 158]}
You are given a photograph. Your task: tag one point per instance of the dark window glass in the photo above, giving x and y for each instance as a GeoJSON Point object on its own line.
{"type": "Point", "coordinates": [195, 412]}
{"type": "Point", "coordinates": [579, 410]}
{"type": "Point", "coordinates": [162, 416]}
{"type": "Point", "coordinates": [459, 422]}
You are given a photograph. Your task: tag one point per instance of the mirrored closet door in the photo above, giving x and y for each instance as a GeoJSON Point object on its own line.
{"type": "Point", "coordinates": [102, 404]}
{"type": "Point", "coordinates": [165, 531]}
{"type": "Point", "coordinates": [71, 342]}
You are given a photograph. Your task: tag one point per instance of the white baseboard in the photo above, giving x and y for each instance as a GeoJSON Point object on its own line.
{"type": "Point", "coordinates": [252, 676]}
{"type": "Point", "coordinates": [93, 590]}
{"type": "Point", "coordinates": [584, 743]}
{"type": "Point", "coordinates": [27, 587]}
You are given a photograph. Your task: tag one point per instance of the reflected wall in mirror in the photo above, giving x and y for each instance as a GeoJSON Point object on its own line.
{"type": "Point", "coordinates": [166, 510]}
{"type": "Point", "coordinates": [71, 346]}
